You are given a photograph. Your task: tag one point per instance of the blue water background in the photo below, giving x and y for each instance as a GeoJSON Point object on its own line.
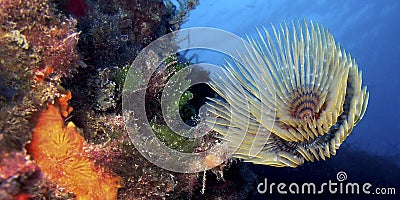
{"type": "Point", "coordinates": [369, 30]}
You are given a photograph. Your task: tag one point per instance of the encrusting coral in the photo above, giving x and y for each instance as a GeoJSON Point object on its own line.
{"type": "Point", "coordinates": [59, 151]}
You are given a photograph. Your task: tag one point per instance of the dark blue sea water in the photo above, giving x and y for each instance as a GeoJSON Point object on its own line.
{"type": "Point", "coordinates": [368, 30]}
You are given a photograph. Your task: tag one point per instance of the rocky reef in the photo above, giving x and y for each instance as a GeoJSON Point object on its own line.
{"type": "Point", "coordinates": [63, 64]}
{"type": "Point", "coordinates": [62, 133]}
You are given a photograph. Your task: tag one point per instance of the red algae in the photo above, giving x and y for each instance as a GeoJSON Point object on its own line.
{"type": "Point", "coordinates": [15, 163]}
{"type": "Point", "coordinates": [59, 151]}
{"type": "Point", "coordinates": [78, 7]}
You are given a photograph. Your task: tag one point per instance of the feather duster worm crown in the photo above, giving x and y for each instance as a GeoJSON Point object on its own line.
{"type": "Point", "coordinates": [289, 99]}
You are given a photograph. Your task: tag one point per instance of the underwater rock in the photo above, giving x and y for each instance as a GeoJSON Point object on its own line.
{"type": "Point", "coordinates": [106, 91]}
{"type": "Point", "coordinates": [116, 30]}
{"type": "Point", "coordinates": [38, 57]}
{"type": "Point", "coordinates": [37, 49]}
{"type": "Point", "coordinates": [112, 34]}
{"type": "Point", "coordinates": [19, 176]}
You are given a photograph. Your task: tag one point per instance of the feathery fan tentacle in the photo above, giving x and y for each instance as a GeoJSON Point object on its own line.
{"type": "Point", "coordinates": [292, 96]}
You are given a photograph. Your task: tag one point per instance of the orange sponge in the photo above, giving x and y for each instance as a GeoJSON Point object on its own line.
{"type": "Point", "coordinates": [59, 151]}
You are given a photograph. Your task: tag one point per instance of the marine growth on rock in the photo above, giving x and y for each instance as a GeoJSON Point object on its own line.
{"type": "Point", "coordinates": [59, 151]}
